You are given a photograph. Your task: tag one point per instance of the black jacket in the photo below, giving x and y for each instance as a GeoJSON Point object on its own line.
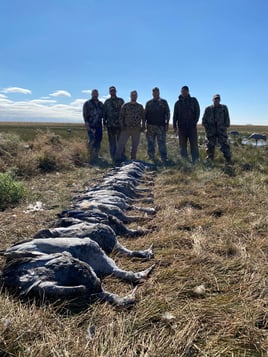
{"type": "Point", "coordinates": [157, 112]}
{"type": "Point", "coordinates": [186, 112]}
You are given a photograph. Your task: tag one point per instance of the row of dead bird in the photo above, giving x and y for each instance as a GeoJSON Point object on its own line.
{"type": "Point", "coordinates": [69, 259]}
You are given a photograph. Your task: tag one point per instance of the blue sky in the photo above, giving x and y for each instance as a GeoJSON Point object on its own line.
{"type": "Point", "coordinates": [53, 52]}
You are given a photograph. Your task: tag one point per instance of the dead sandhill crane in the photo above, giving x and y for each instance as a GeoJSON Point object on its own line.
{"type": "Point", "coordinates": [257, 137]}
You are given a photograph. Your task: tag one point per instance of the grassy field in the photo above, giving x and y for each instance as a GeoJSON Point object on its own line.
{"type": "Point", "coordinates": [208, 295]}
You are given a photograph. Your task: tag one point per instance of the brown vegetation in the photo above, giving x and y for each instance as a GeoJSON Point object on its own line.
{"type": "Point", "coordinates": [208, 295]}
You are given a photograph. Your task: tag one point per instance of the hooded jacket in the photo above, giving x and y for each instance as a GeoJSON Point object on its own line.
{"type": "Point", "coordinates": [186, 113]}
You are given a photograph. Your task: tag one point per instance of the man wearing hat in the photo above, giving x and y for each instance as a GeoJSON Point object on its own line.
{"type": "Point", "coordinates": [216, 121]}
{"type": "Point", "coordinates": [157, 116]}
{"type": "Point", "coordinates": [111, 121]}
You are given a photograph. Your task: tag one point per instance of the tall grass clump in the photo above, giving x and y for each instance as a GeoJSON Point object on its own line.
{"type": "Point", "coordinates": [11, 191]}
{"type": "Point", "coordinates": [10, 144]}
{"type": "Point", "coordinates": [47, 152]}
{"type": "Point", "coordinates": [78, 153]}
{"type": "Point", "coordinates": [54, 153]}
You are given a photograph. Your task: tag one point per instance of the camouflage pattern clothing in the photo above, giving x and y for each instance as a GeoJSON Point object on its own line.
{"type": "Point", "coordinates": [112, 107]}
{"type": "Point", "coordinates": [93, 115]}
{"type": "Point", "coordinates": [185, 118]}
{"type": "Point", "coordinates": [132, 122]}
{"type": "Point", "coordinates": [157, 115]}
{"type": "Point", "coordinates": [216, 120]}
{"type": "Point", "coordinates": [132, 116]}
{"type": "Point", "coordinates": [155, 132]}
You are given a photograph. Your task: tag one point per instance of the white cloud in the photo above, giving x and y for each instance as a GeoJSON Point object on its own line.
{"type": "Point", "coordinates": [86, 91]}
{"type": "Point", "coordinates": [43, 101]}
{"type": "Point", "coordinates": [45, 110]}
{"type": "Point", "coordinates": [103, 98]}
{"type": "Point", "coordinates": [4, 100]}
{"type": "Point", "coordinates": [60, 93]}
{"type": "Point", "coordinates": [16, 90]}
{"type": "Point", "coordinates": [78, 102]}
{"type": "Point", "coordinates": [89, 91]}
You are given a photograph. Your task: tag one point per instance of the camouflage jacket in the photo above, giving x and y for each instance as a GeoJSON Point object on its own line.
{"type": "Point", "coordinates": [93, 113]}
{"type": "Point", "coordinates": [112, 107]}
{"type": "Point", "coordinates": [157, 112]}
{"type": "Point", "coordinates": [186, 112]}
{"type": "Point", "coordinates": [216, 120]}
{"type": "Point", "coordinates": [132, 115]}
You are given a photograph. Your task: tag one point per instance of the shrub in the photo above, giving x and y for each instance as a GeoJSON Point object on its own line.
{"type": "Point", "coordinates": [11, 191]}
{"type": "Point", "coordinates": [10, 144]}
{"type": "Point", "coordinates": [26, 164]}
{"type": "Point", "coordinates": [47, 139]}
{"type": "Point", "coordinates": [47, 162]}
{"type": "Point", "coordinates": [78, 153]}
{"type": "Point", "coordinates": [52, 152]}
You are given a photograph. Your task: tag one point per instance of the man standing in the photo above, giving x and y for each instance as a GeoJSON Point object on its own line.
{"type": "Point", "coordinates": [216, 121]}
{"type": "Point", "coordinates": [157, 115]}
{"type": "Point", "coordinates": [185, 118]}
{"type": "Point", "coordinates": [112, 107]}
{"type": "Point", "coordinates": [93, 115]}
{"type": "Point", "coordinates": [132, 123]}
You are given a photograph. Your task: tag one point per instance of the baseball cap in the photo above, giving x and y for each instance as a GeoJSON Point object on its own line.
{"type": "Point", "coordinates": [112, 88]}
{"type": "Point", "coordinates": [216, 96]}
{"type": "Point", "coordinates": [155, 89]}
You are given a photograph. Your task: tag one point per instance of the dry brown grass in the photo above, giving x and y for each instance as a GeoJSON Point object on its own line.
{"type": "Point", "coordinates": [208, 295]}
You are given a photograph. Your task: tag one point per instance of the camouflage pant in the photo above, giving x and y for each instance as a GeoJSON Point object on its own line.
{"type": "Point", "coordinates": [94, 143]}
{"type": "Point", "coordinates": [225, 147]}
{"type": "Point", "coordinates": [158, 133]}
